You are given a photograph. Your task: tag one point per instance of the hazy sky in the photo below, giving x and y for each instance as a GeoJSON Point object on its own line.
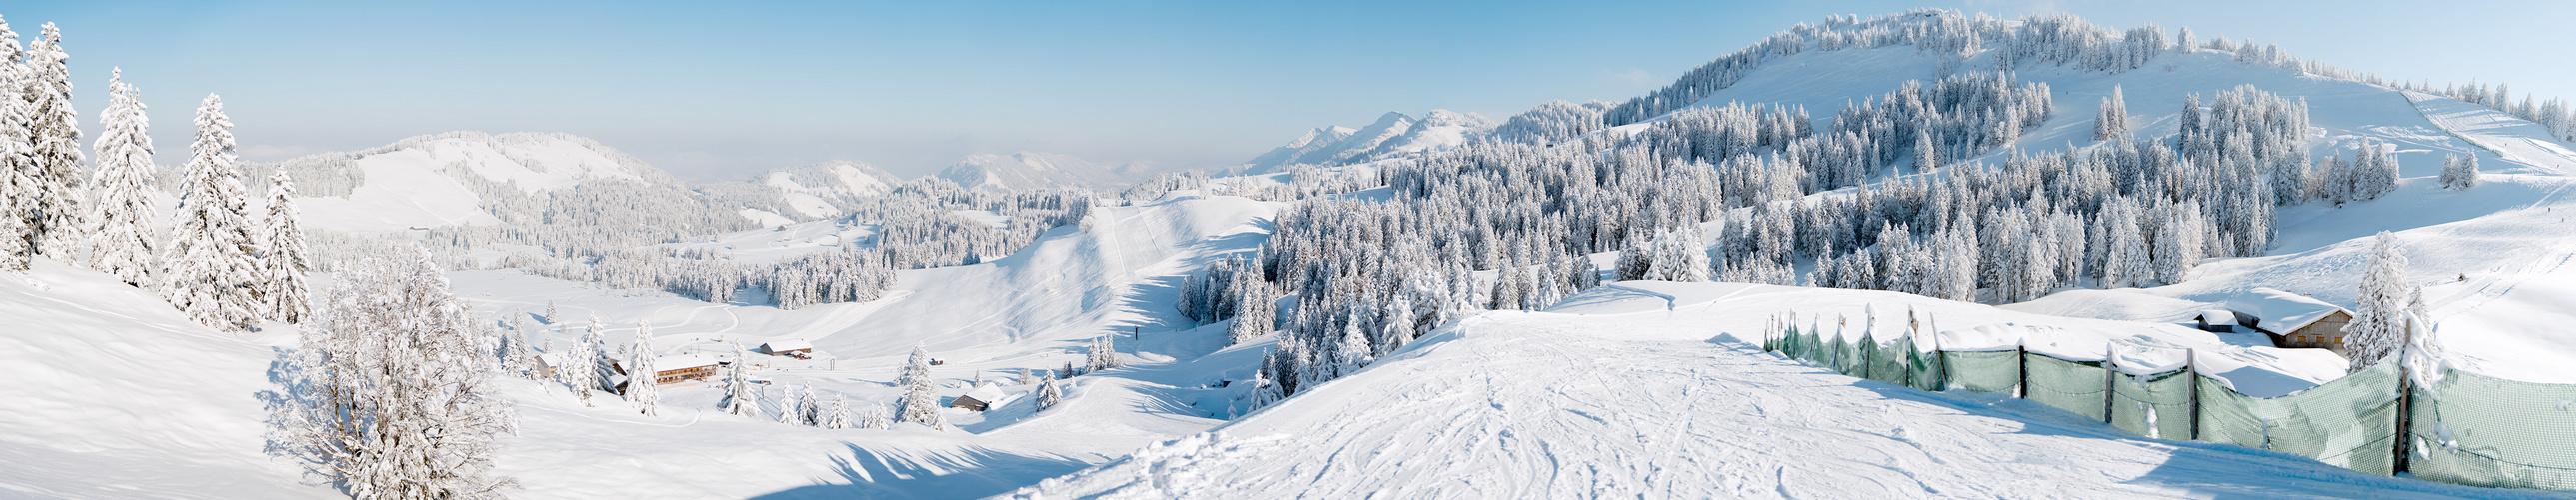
{"type": "Point", "coordinates": [717, 90]}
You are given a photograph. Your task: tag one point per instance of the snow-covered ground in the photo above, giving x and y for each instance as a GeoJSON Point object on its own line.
{"type": "Point", "coordinates": [1654, 390]}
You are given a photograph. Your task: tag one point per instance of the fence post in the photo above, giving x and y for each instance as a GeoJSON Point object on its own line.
{"type": "Point", "coordinates": [2021, 371]}
{"type": "Point", "coordinates": [1941, 362]}
{"type": "Point", "coordinates": [2405, 403]}
{"type": "Point", "coordinates": [2191, 368]}
{"type": "Point", "coordinates": [2110, 382]}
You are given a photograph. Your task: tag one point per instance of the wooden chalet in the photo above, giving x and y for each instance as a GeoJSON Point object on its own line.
{"type": "Point", "coordinates": [2292, 320]}
{"type": "Point", "coordinates": [983, 397]}
{"type": "Point", "coordinates": [547, 362]}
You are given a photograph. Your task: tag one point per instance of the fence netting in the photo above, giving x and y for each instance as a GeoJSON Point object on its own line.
{"type": "Point", "coordinates": [2466, 429]}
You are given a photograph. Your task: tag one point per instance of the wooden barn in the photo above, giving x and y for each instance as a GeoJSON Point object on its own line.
{"type": "Point", "coordinates": [683, 368]}
{"type": "Point", "coordinates": [2293, 320]}
{"type": "Point", "coordinates": [983, 397]}
{"type": "Point", "coordinates": [790, 347]}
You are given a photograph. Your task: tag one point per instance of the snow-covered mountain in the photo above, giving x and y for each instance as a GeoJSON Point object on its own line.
{"type": "Point", "coordinates": [456, 178]}
{"type": "Point", "coordinates": [1393, 134]}
{"type": "Point", "coordinates": [1026, 170]}
{"type": "Point", "coordinates": [803, 193]}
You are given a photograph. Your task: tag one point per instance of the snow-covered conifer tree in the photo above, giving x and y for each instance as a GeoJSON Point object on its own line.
{"type": "Point", "coordinates": [288, 297]}
{"type": "Point", "coordinates": [1101, 355]}
{"type": "Point", "coordinates": [920, 405]}
{"type": "Point", "coordinates": [121, 243]}
{"type": "Point", "coordinates": [53, 133]}
{"type": "Point", "coordinates": [791, 405]}
{"type": "Point", "coordinates": [643, 375]}
{"type": "Point", "coordinates": [551, 316]}
{"type": "Point", "coordinates": [515, 353]}
{"type": "Point", "coordinates": [213, 274]}
{"type": "Point", "coordinates": [875, 418]}
{"type": "Point", "coordinates": [1354, 351]}
{"type": "Point", "coordinates": [2183, 41]}
{"type": "Point", "coordinates": [838, 415]}
{"type": "Point", "coordinates": [2378, 324]}
{"type": "Point", "coordinates": [17, 168]}
{"type": "Point", "coordinates": [739, 398]}
{"type": "Point", "coordinates": [1049, 395]}
{"type": "Point", "coordinates": [2113, 122]}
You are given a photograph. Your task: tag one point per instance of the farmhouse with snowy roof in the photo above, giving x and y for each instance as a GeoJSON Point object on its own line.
{"type": "Point", "coordinates": [984, 396]}
{"type": "Point", "coordinates": [2292, 320]}
{"type": "Point", "coordinates": [788, 347]}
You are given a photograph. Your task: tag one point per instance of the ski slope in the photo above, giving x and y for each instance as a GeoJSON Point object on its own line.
{"type": "Point", "coordinates": [1652, 390]}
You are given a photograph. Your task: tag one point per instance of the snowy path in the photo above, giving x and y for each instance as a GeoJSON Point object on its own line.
{"type": "Point", "coordinates": [1665, 404]}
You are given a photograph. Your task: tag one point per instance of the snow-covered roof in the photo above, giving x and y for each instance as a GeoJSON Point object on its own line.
{"type": "Point", "coordinates": [2218, 317]}
{"type": "Point", "coordinates": [786, 345]}
{"type": "Point", "coordinates": [683, 361]}
{"type": "Point", "coordinates": [987, 393]}
{"type": "Point", "coordinates": [552, 359]}
{"type": "Point", "coordinates": [2281, 311]}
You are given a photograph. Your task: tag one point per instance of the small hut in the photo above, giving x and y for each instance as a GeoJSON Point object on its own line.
{"type": "Point", "coordinates": [2217, 320]}
{"type": "Point", "coordinates": [790, 347]}
{"type": "Point", "coordinates": [547, 362]}
{"type": "Point", "coordinates": [983, 397]}
{"type": "Point", "coordinates": [2294, 320]}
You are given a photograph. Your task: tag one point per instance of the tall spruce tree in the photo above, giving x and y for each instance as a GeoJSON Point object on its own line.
{"type": "Point", "coordinates": [18, 167]}
{"type": "Point", "coordinates": [643, 378]}
{"type": "Point", "coordinates": [739, 398]}
{"type": "Point", "coordinates": [213, 273]}
{"type": "Point", "coordinates": [121, 243]}
{"type": "Point", "coordinates": [54, 218]}
{"type": "Point", "coordinates": [288, 298]}
{"type": "Point", "coordinates": [920, 405]}
{"type": "Point", "coordinates": [2378, 326]}
{"type": "Point", "coordinates": [2113, 122]}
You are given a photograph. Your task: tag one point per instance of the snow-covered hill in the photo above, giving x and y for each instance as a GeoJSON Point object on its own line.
{"type": "Point", "coordinates": [1651, 390]}
{"type": "Point", "coordinates": [1026, 170]}
{"type": "Point", "coordinates": [1394, 134]}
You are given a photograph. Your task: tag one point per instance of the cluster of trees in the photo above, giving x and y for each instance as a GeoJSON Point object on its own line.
{"type": "Point", "coordinates": [220, 264]}
{"type": "Point", "coordinates": [2460, 172]}
{"type": "Point", "coordinates": [1215, 293]}
{"type": "Point", "coordinates": [1552, 122]}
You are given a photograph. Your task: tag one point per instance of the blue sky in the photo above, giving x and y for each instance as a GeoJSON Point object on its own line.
{"type": "Point", "coordinates": [717, 90]}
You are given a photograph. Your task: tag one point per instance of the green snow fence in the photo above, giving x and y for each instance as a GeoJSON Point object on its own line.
{"type": "Point", "coordinates": [1986, 371]}
{"type": "Point", "coordinates": [2074, 386]}
{"type": "Point", "coordinates": [1891, 363]}
{"type": "Point", "coordinates": [2502, 433]}
{"type": "Point", "coordinates": [2350, 422]}
{"type": "Point", "coordinates": [2165, 395]}
{"type": "Point", "coordinates": [1925, 369]}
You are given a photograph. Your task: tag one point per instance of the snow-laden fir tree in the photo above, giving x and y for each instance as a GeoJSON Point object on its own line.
{"type": "Point", "coordinates": [1264, 390]}
{"type": "Point", "coordinates": [2378, 324]}
{"type": "Point", "coordinates": [388, 395]}
{"type": "Point", "coordinates": [1101, 355]}
{"type": "Point", "coordinates": [1679, 255]}
{"type": "Point", "coordinates": [515, 353]}
{"type": "Point", "coordinates": [875, 418]}
{"type": "Point", "coordinates": [2113, 122]}
{"type": "Point", "coordinates": [596, 359]}
{"type": "Point", "coordinates": [809, 409]}
{"type": "Point", "coordinates": [920, 405]}
{"type": "Point", "coordinates": [2460, 173]}
{"type": "Point", "coordinates": [17, 165]}
{"type": "Point", "coordinates": [551, 316]}
{"type": "Point", "coordinates": [643, 375]}
{"type": "Point", "coordinates": [1399, 327]}
{"type": "Point", "coordinates": [575, 372]}
{"type": "Point", "coordinates": [791, 404]}
{"type": "Point", "coordinates": [838, 415]}
{"type": "Point", "coordinates": [53, 132]}
{"type": "Point", "coordinates": [121, 243]}
{"type": "Point", "coordinates": [214, 274]}
{"type": "Point", "coordinates": [288, 299]}
{"type": "Point", "coordinates": [1025, 378]}
{"type": "Point", "coordinates": [1049, 395]}
{"type": "Point", "coordinates": [738, 396]}
{"type": "Point", "coordinates": [1354, 351]}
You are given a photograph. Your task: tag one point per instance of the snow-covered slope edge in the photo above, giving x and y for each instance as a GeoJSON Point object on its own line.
{"type": "Point", "coordinates": [112, 393]}
{"type": "Point", "coordinates": [1645, 389]}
